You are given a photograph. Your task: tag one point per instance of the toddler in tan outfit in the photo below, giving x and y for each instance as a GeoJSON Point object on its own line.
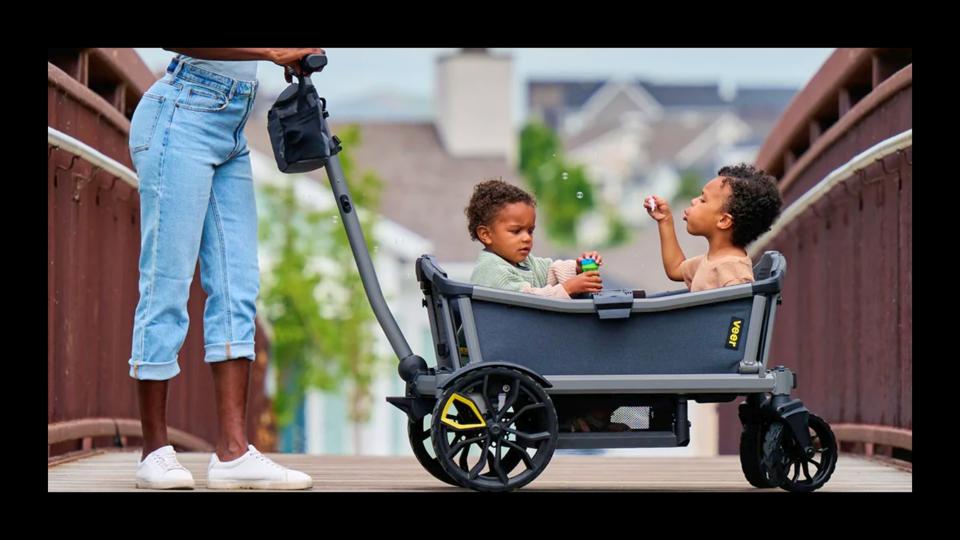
{"type": "Point", "coordinates": [733, 209]}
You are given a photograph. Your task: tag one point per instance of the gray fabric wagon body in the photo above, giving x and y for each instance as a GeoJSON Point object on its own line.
{"type": "Point", "coordinates": [722, 331]}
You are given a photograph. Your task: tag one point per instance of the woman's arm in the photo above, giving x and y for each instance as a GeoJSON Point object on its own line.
{"type": "Point", "coordinates": [282, 57]}
{"type": "Point", "coordinates": [207, 53]}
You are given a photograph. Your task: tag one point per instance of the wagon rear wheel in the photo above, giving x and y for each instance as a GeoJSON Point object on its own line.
{"type": "Point", "coordinates": [494, 429]}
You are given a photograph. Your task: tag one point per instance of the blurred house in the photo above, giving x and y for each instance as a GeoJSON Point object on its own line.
{"type": "Point", "coordinates": [637, 137]}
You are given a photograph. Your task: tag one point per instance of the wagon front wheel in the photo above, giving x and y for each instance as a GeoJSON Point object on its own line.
{"type": "Point", "coordinates": [751, 455]}
{"type": "Point", "coordinates": [785, 463]}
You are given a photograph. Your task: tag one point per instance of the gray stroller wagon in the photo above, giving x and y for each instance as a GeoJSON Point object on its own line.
{"type": "Point", "coordinates": [512, 371]}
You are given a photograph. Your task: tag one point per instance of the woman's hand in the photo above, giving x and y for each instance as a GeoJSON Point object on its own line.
{"type": "Point", "coordinates": [290, 60]}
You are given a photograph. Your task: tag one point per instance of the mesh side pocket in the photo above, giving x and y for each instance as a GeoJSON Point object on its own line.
{"type": "Point", "coordinates": [635, 417]}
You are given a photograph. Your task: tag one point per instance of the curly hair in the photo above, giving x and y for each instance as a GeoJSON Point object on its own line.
{"type": "Point", "coordinates": [488, 198]}
{"type": "Point", "coordinates": [755, 202]}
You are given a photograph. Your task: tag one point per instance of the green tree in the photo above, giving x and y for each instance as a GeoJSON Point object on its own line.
{"type": "Point", "coordinates": [313, 297]}
{"type": "Point", "coordinates": [691, 183]}
{"type": "Point", "coordinates": [562, 189]}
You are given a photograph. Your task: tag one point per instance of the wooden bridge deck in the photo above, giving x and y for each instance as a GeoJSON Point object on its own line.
{"type": "Point", "coordinates": [114, 471]}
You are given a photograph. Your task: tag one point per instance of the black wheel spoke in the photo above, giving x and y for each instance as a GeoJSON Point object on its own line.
{"type": "Point", "coordinates": [796, 471]}
{"type": "Point", "coordinates": [806, 471]}
{"type": "Point", "coordinates": [489, 457]}
{"type": "Point", "coordinates": [467, 442]}
{"type": "Point", "coordinates": [526, 408]}
{"type": "Point", "coordinates": [511, 398]}
{"type": "Point", "coordinates": [532, 437]}
{"type": "Point", "coordinates": [499, 469]}
{"type": "Point", "coordinates": [475, 471]}
{"type": "Point", "coordinates": [527, 460]}
{"type": "Point", "coordinates": [463, 459]}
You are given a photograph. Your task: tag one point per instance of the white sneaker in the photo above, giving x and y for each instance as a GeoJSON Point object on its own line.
{"type": "Point", "coordinates": [161, 470]}
{"type": "Point", "coordinates": [254, 470]}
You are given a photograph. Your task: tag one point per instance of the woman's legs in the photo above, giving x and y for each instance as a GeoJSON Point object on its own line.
{"type": "Point", "coordinates": [231, 381]}
{"type": "Point", "coordinates": [152, 396]}
{"type": "Point", "coordinates": [230, 274]}
{"type": "Point", "coordinates": [176, 152]}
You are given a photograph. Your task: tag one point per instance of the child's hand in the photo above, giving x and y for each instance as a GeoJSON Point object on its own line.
{"type": "Point", "coordinates": [589, 255]}
{"type": "Point", "coordinates": [660, 210]}
{"type": "Point", "coordinates": [585, 282]}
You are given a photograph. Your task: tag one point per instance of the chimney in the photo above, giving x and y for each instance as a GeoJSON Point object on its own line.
{"type": "Point", "coordinates": [474, 95]}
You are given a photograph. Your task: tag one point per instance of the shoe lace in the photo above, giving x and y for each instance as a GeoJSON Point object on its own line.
{"type": "Point", "coordinates": [168, 461]}
{"type": "Point", "coordinates": [268, 461]}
